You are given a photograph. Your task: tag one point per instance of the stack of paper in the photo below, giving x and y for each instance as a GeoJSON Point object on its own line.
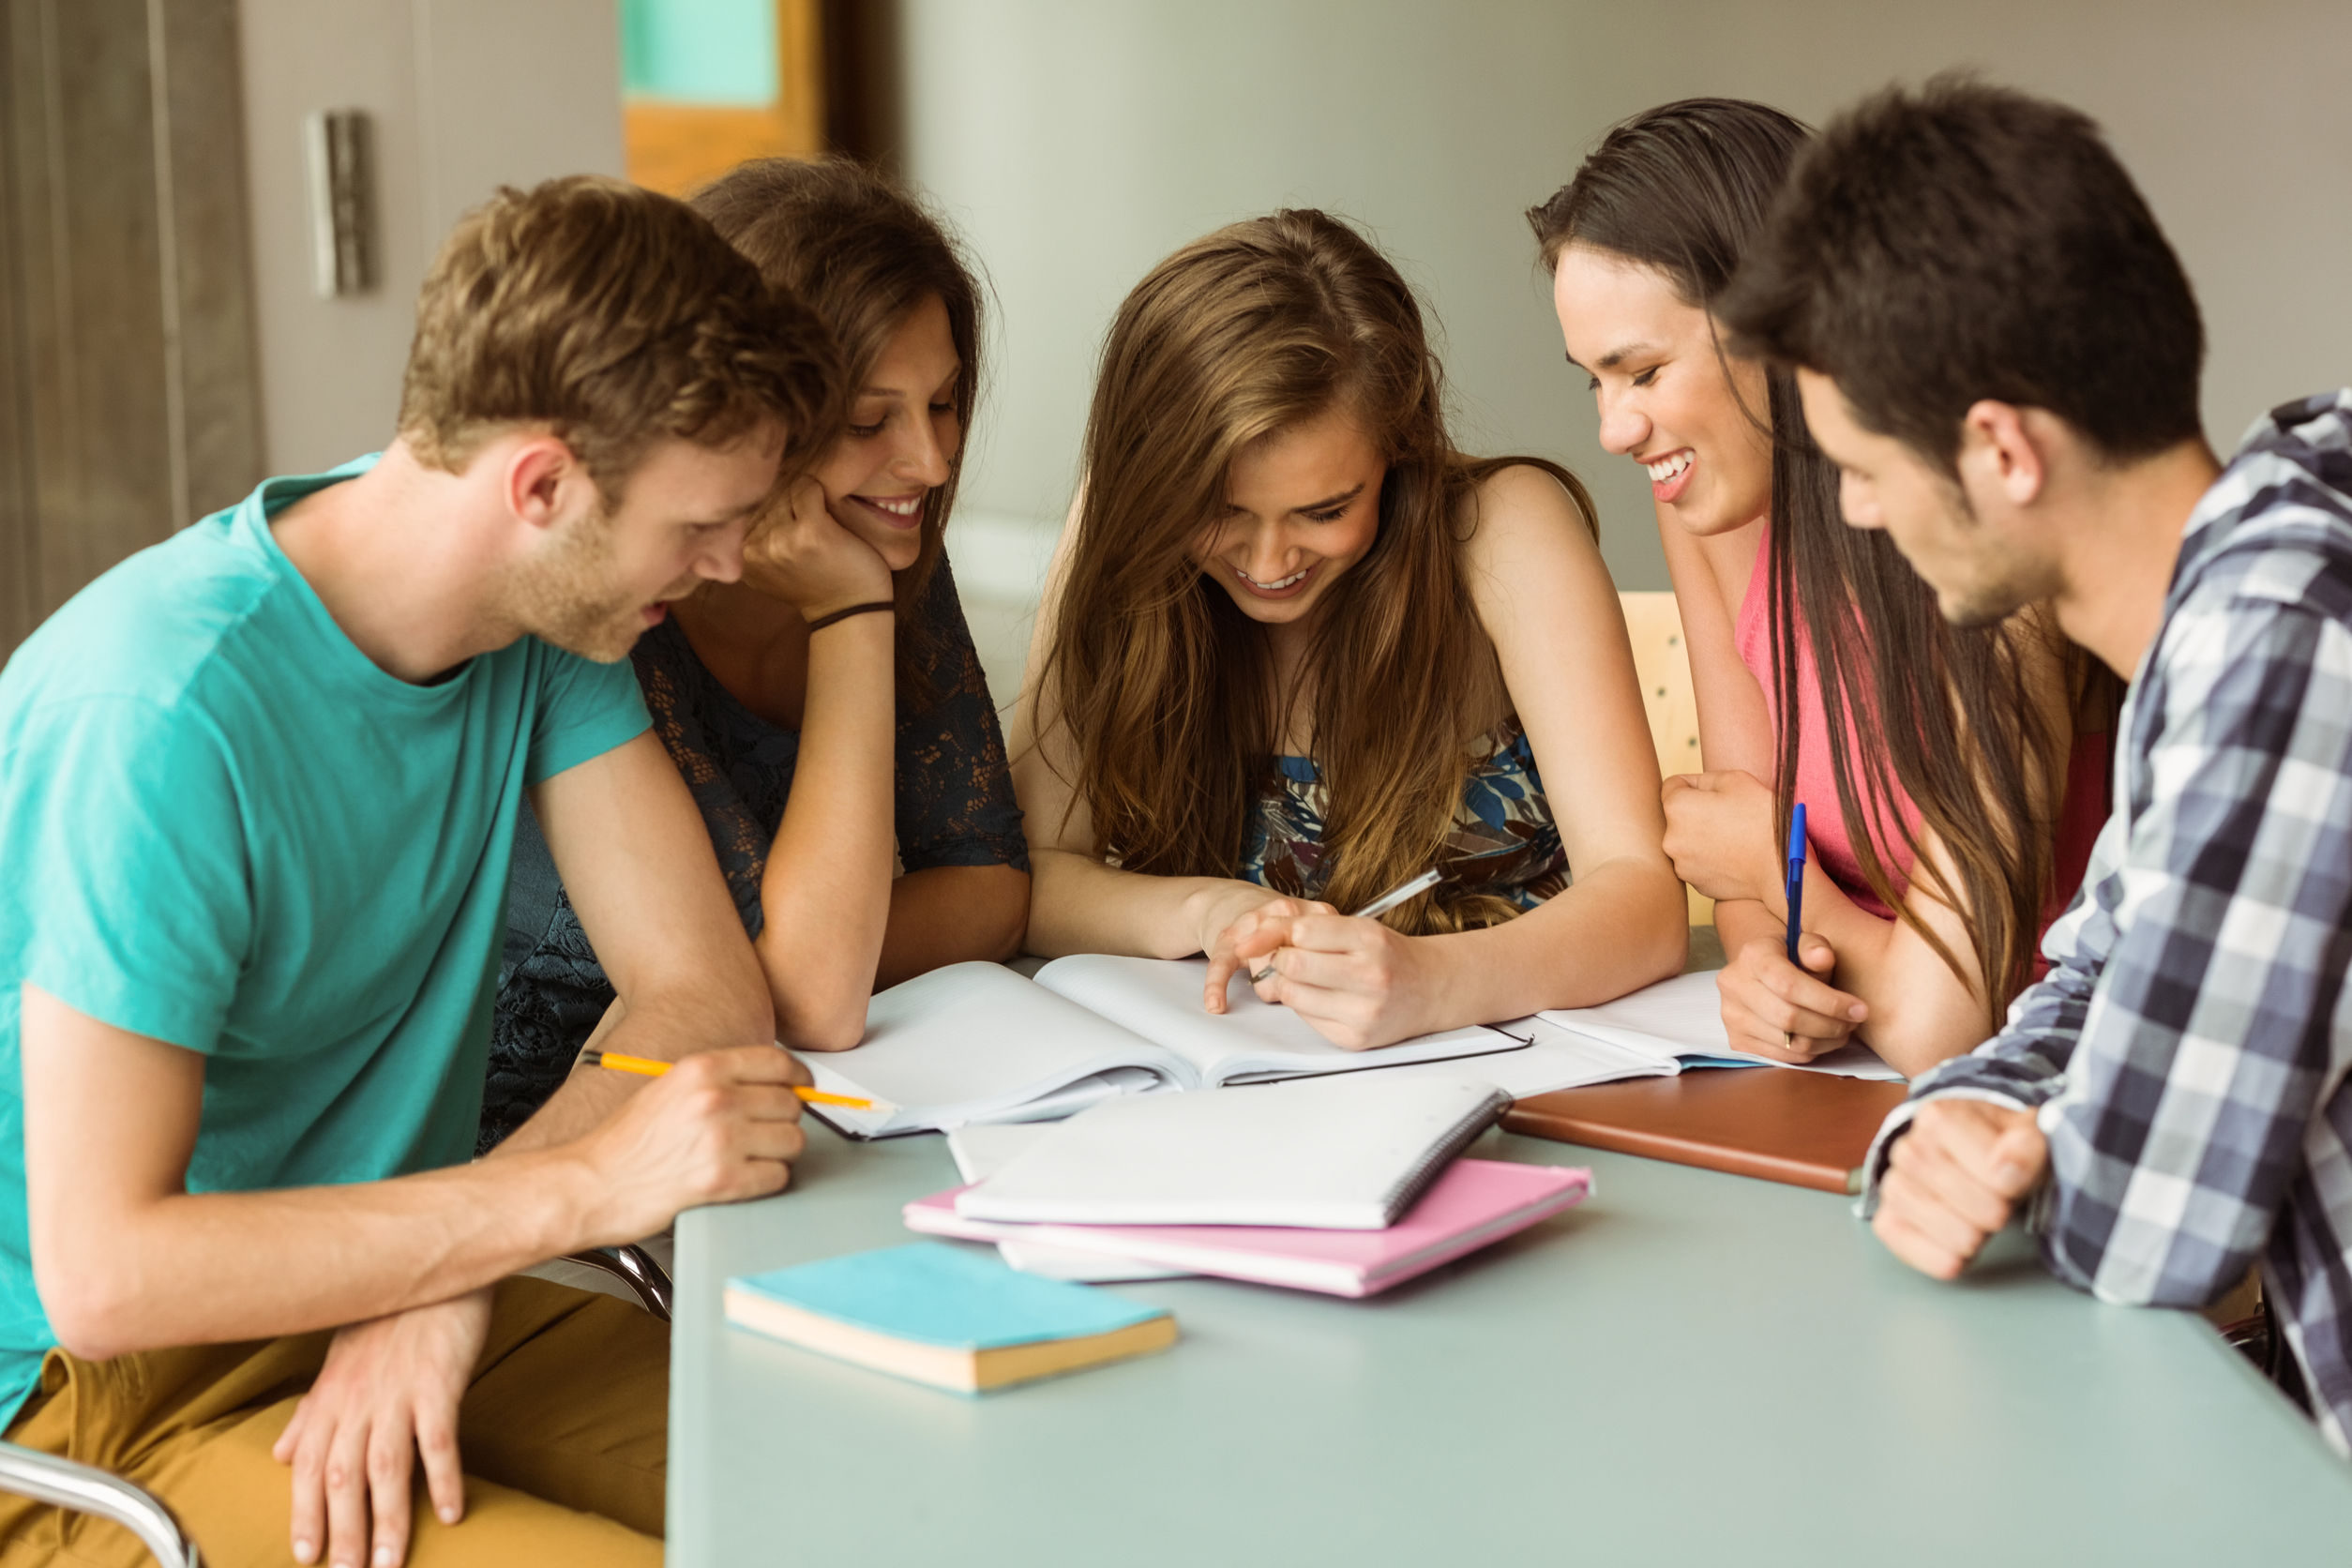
{"type": "Point", "coordinates": [1336, 1153]}
{"type": "Point", "coordinates": [1476, 1202]}
{"type": "Point", "coordinates": [1341, 1185]}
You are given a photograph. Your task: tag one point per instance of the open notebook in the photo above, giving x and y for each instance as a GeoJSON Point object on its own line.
{"type": "Point", "coordinates": [1678, 1024]}
{"type": "Point", "coordinates": [976, 1042]}
{"type": "Point", "coordinates": [1656, 1032]}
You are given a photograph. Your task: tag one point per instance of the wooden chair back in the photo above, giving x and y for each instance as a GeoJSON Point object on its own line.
{"type": "Point", "coordinates": [1662, 665]}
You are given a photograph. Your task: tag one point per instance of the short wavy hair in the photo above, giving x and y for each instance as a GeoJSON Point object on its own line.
{"type": "Point", "coordinates": [616, 318]}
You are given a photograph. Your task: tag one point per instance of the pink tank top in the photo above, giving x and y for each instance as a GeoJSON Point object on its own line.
{"type": "Point", "coordinates": [2081, 815]}
{"type": "Point", "coordinates": [1826, 829]}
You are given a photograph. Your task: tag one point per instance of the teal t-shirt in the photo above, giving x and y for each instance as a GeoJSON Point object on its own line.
{"type": "Point", "coordinates": [224, 827]}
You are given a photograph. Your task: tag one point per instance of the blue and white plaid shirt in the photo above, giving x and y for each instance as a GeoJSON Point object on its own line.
{"type": "Point", "coordinates": [2186, 1056]}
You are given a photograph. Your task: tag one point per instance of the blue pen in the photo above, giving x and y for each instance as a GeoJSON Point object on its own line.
{"type": "Point", "coordinates": [1795, 878]}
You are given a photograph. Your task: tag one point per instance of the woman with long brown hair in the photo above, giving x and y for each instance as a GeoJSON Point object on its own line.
{"type": "Point", "coordinates": [1297, 648]}
{"type": "Point", "coordinates": [1953, 777]}
{"type": "Point", "coordinates": [828, 710]}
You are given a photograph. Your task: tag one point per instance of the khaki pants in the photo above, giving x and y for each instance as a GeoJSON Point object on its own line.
{"type": "Point", "coordinates": [562, 1433]}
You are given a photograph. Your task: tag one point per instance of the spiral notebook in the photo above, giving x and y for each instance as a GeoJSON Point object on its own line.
{"type": "Point", "coordinates": [1326, 1154]}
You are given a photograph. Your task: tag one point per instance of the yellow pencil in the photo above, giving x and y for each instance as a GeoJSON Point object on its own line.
{"type": "Point", "coordinates": [645, 1067]}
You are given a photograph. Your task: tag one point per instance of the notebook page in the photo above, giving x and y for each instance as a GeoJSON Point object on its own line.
{"type": "Point", "coordinates": [1160, 999]}
{"type": "Point", "coordinates": [1558, 1059]}
{"type": "Point", "coordinates": [970, 1042]}
{"type": "Point", "coordinates": [1682, 1020]}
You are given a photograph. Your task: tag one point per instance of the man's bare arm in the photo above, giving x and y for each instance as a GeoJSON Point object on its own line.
{"type": "Point", "coordinates": [637, 864]}
{"type": "Point", "coordinates": [125, 1258]}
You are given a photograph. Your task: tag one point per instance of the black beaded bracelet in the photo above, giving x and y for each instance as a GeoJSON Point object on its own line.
{"type": "Point", "coordinates": [823, 620]}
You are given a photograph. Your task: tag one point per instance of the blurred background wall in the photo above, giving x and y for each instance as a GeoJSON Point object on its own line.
{"type": "Point", "coordinates": [461, 96]}
{"type": "Point", "coordinates": [1075, 142]}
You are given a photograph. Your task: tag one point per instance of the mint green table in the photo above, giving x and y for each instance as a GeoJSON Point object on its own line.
{"type": "Point", "coordinates": [1691, 1368]}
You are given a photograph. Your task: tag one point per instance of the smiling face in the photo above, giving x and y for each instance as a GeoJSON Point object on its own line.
{"type": "Point", "coordinates": [1302, 504]}
{"type": "Point", "coordinates": [600, 581]}
{"type": "Point", "coordinates": [903, 438]}
{"type": "Point", "coordinates": [1664, 396]}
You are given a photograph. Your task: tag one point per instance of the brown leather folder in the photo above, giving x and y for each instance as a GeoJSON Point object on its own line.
{"type": "Point", "coordinates": [1808, 1129]}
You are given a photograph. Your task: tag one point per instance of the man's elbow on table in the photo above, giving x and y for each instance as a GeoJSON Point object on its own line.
{"type": "Point", "coordinates": [2190, 1277]}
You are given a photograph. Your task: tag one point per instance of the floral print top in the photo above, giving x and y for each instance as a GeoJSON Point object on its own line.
{"type": "Point", "coordinates": [1504, 840]}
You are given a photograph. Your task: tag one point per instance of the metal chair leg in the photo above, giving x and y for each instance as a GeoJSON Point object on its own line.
{"type": "Point", "coordinates": [635, 1265]}
{"type": "Point", "coordinates": [46, 1478]}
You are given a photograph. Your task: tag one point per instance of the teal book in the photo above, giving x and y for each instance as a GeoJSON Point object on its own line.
{"type": "Point", "coordinates": [941, 1314]}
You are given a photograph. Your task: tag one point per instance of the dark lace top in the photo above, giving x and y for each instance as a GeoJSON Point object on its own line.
{"type": "Point", "coordinates": [1504, 840]}
{"type": "Point", "coordinates": [954, 807]}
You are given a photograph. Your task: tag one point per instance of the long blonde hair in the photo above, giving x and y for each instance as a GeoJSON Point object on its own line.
{"type": "Point", "coordinates": [1166, 687]}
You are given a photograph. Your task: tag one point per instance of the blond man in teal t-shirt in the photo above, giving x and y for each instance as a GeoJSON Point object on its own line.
{"type": "Point", "coordinates": [258, 786]}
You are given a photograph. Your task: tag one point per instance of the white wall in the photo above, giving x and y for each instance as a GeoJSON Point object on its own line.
{"type": "Point", "coordinates": [1076, 142]}
{"type": "Point", "coordinates": [464, 95]}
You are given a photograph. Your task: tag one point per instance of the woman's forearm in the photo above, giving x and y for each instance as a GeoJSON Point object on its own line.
{"type": "Point", "coordinates": [946, 914]}
{"type": "Point", "coordinates": [825, 895]}
{"type": "Point", "coordinates": [1077, 904]}
{"type": "Point", "coordinates": [1623, 925]}
{"type": "Point", "coordinates": [1920, 1012]}
{"type": "Point", "coordinates": [1741, 921]}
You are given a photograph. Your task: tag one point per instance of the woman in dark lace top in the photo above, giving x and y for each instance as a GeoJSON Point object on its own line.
{"type": "Point", "coordinates": [827, 712]}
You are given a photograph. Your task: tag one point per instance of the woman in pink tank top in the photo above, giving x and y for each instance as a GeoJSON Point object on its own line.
{"type": "Point", "coordinates": [1952, 778]}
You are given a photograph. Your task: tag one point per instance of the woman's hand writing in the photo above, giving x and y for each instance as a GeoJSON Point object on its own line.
{"type": "Point", "coordinates": [1234, 912]}
{"type": "Point", "coordinates": [1358, 983]}
{"type": "Point", "coordinates": [1772, 1008]}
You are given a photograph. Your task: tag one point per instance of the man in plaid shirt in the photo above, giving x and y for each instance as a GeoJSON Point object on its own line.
{"type": "Point", "coordinates": [1998, 348]}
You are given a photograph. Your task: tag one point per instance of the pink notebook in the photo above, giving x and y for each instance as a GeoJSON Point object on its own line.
{"type": "Point", "coordinates": [1474, 1202]}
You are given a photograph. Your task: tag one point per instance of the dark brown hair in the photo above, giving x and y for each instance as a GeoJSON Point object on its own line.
{"type": "Point", "coordinates": [863, 253]}
{"type": "Point", "coordinates": [616, 318]}
{"type": "Point", "coordinates": [1164, 683]}
{"type": "Point", "coordinates": [1679, 189]}
{"type": "Point", "coordinates": [1685, 188]}
{"type": "Point", "coordinates": [1966, 242]}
